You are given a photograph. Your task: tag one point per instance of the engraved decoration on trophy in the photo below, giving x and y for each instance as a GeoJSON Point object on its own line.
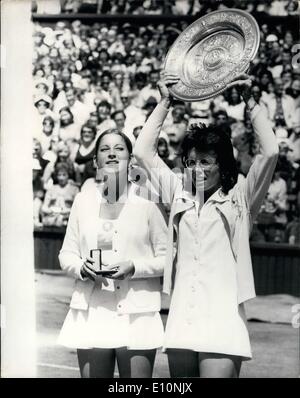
{"type": "Point", "coordinates": [212, 52]}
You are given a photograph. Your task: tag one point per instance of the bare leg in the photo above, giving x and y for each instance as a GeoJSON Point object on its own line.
{"type": "Point", "coordinates": [96, 363]}
{"type": "Point", "coordinates": [183, 363]}
{"type": "Point", "coordinates": [219, 365]}
{"type": "Point", "coordinates": [135, 363]}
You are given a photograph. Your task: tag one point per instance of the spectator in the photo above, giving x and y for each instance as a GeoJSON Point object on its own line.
{"type": "Point", "coordinates": [69, 131]}
{"type": "Point", "coordinates": [287, 79]}
{"type": "Point", "coordinates": [284, 163]}
{"type": "Point", "coordinates": [220, 118]}
{"type": "Point", "coordinates": [42, 104]}
{"type": "Point", "coordinates": [58, 88]}
{"type": "Point", "coordinates": [294, 92]}
{"type": "Point", "coordinates": [150, 90]}
{"type": "Point", "coordinates": [138, 65]}
{"type": "Point", "coordinates": [134, 115]}
{"type": "Point", "coordinates": [282, 60]}
{"type": "Point", "coordinates": [277, 197]}
{"type": "Point", "coordinates": [163, 151]}
{"type": "Point", "coordinates": [272, 215]}
{"type": "Point", "coordinates": [59, 198]}
{"type": "Point", "coordinates": [105, 122]}
{"type": "Point", "coordinates": [176, 133]}
{"type": "Point", "coordinates": [177, 120]}
{"type": "Point", "coordinates": [43, 87]}
{"type": "Point", "coordinates": [102, 89]}
{"type": "Point", "coordinates": [280, 107]}
{"type": "Point", "coordinates": [80, 111]}
{"type": "Point", "coordinates": [47, 134]}
{"type": "Point", "coordinates": [38, 192]}
{"type": "Point", "coordinates": [93, 120]}
{"type": "Point", "coordinates": [233, 105]}
{"type": "Point", "coordinates": [138, 84]}
{"type": "Point", "coordinates": [292, 7]}
{"type": "Point", "coordinates": [119, 118]}
{"type": "Point", "coordinates": [256, 92]}
{"type": "Point", "coordinates": [292, 232]}
{"type": "Point", "coordinates": [100, 94]}
{"type": "Point", "coordinates": [288, 39]}
{"type": "Point", "coordinates": [86, 151]}
{"type": "Point", "coordinates": [37, 154]}
{"type": "Point", "coordinates": [265, 78]}
{"type": "Point", "coordinates": [295, 141]}
{"type": "Point", "coordinates": [62, 156]}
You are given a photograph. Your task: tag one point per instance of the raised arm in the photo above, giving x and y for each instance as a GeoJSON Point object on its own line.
{"type": "Point", "coordinates": [163, 180]}
{"type": "Point", "coordinates": [261, 171]}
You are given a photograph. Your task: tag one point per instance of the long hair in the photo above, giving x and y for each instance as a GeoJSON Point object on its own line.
{"type": "Point", "coordinates": [213, 138]}
{"type": "Point", "coordinates": [66, 109]}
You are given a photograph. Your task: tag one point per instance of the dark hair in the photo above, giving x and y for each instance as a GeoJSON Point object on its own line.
{"type": "Point", "coordinates": [228, 95]}
{"type": "Point", "coordinates": [103, 50]}
{"type": "Point", "coordinates": [113, 115]}
{"type": "Point", "coordinates": [266, 72]}
{"type": "Point", "coordinates": [104, 103]}
{"type": "Point", "coordinates": [114, 131]}
{"type": "Point", "coordinates": [213, 138]}
{"type": "Point", "coordinates": [220, 112]}
{"type": "Point", "coordinates": [50, 119]}
{"type": "Point", "coordinates": [140, 76]}
{"type": "Point", "coordinates": [67, 109]}
{"type": "Point", "coordinates": [92, 128]}
{"type": "Point", "coordinates": [106, 74]}
{"type": "Point", "coordinates": [61, 166]}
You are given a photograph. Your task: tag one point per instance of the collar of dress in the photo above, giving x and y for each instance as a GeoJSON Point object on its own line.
{"type": "Point", "coordinates": [218, 196]}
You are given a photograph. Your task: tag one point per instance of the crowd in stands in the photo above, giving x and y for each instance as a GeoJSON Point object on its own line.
{"type": "Point", "coordinates": [90, 78]}
{"type": "Point", "coordinates": [160, 7]}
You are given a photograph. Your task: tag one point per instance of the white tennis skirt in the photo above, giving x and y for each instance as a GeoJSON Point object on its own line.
{"type": "Point", "coordinates": [102, 327]}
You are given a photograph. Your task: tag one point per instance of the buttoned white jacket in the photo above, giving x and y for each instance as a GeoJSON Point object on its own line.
{"type": "Point", "coordinates": [140, 235]}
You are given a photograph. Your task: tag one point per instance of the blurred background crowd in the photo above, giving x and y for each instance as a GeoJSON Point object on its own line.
{"type": "Point", "coordinates": [159, 7]}
{"type": "Point", "coordinates": [92, 77]}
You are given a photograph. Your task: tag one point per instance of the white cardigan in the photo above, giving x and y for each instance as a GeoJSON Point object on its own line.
{"type": "Point", "coordinates": [140, 235]}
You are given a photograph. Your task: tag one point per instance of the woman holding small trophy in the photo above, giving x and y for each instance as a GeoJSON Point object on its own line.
{"type": "Point", "coordinates": [115, 248]}
{"type": "Point", "coordinates": [211, 216]}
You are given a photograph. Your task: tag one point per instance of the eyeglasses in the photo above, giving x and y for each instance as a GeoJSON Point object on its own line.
{"type": "Point", "coordinates": [205, 164]}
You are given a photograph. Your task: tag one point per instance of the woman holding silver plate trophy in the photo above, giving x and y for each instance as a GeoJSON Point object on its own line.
{"type": "Point", "coordinates": [204, 254]}
{"type": "Point", "coordinates": [208, 268]}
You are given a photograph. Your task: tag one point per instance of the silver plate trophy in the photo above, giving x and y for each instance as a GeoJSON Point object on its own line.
{"type": "Point", "coordinates": [212, 52]}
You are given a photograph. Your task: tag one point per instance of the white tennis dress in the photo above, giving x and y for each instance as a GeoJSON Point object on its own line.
{"type": "Point", "coordinates": [100, 326]}
{"type": "Point", "coordinates": [204, 314]}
